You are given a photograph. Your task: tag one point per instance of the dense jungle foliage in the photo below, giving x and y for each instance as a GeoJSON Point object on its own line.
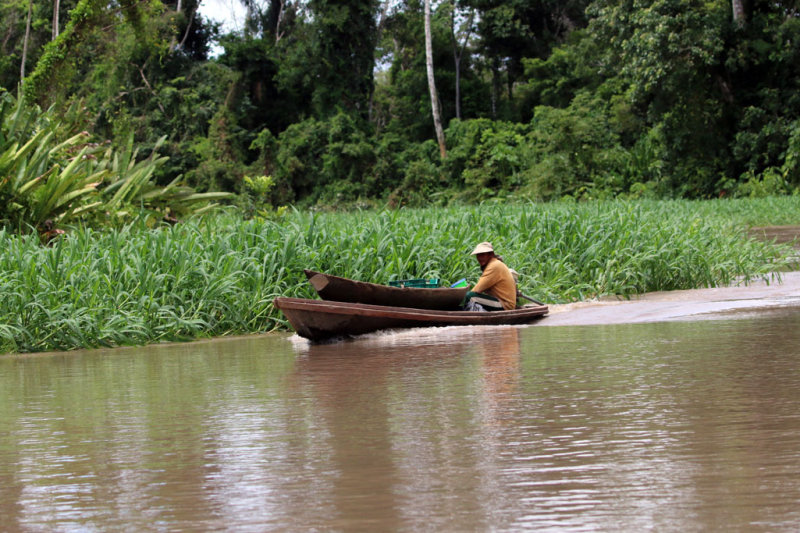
{"type": "Point", "coordinates": [323, 102]}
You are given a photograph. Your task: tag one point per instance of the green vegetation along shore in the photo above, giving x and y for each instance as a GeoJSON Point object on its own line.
{"type": "Point", "coordinates": [217, 275]}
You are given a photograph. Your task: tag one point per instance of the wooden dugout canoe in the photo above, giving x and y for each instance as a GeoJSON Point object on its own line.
{"type": "Point", "coordinates": [318, 320]}
{"type": "Point", "coordinates": [338, 289]}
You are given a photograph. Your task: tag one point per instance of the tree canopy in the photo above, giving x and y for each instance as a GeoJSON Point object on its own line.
{"type": "Point", "coordinates": [542, 99]}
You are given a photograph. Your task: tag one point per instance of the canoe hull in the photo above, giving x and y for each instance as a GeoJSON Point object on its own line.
{"type": "Point", "coordinates": [320, 320]}
{"type": "Point", "coordinates": [337, 289]}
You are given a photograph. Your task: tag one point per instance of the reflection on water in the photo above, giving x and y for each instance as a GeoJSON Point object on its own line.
{"type": "Point", "coordinates": [660, 426]}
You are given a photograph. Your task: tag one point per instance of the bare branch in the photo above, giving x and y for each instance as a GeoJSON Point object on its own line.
{"type": "Point", "coordinates": [147, 83]}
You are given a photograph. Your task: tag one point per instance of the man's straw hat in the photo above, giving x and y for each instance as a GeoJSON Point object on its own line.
{"type": "Point", "coordinates": [482, 248]}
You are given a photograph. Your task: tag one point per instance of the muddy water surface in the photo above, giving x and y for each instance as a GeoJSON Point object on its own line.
{"type": "Point", "coordinates": [683, 425]}
{"type": "Point", "coordinates": [675, 411]}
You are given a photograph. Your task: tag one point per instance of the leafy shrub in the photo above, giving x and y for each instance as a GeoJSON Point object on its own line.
{"type": "Point", "coordinates": [463, 137]}
{"type": "Point", "coordinates": [576, 150]}
{"type": "Point", "coordinates": [299, 157]}
{"type": "Point", "coordinates": [791, 162]}
{"type": "Point", "coordinates": [43, 177]}
{"type": "Point", "coordinates": [131, 192]}
{"type": "Point", "coordinates": [420, 184]}
{"type": "Point", "coordinates": [46, 181]}
{"type": "Point", "coordinates": [771, 182]}
{"type": "Point", "coordinates": [255, 202]}
{"type": "Point", "coordinates": [496, 163]}
{"type": "Point", "coordinates": [327, 160]}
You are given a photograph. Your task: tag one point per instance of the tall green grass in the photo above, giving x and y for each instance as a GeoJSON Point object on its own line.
{"type": "Point", "coordinates": [219, 275]}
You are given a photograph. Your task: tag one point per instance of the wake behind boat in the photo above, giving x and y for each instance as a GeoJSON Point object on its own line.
{"type": "Point", "coordinates": [319, 320]}
{"type": "Point", "coordinates": [335, 288]}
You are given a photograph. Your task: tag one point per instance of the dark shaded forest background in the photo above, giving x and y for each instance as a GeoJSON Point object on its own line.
{"type": "Point", "coordinates": [541, 99]}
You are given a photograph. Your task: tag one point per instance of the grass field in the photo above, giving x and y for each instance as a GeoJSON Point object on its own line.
{"type": "Point", "coordinates": [218, 275]}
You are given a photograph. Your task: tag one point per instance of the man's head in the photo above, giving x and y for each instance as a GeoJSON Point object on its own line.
{"type": "Point", "coordinates": [483, 253]}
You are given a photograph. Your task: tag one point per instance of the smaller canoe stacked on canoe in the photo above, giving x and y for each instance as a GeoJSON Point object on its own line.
{"type": "Point", "coordinates": [338, 289]}
{"type": "Point", "coordinates": [355, 307]}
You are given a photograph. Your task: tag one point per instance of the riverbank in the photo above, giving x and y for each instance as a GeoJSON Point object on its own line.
{"type": "Point", "coordinates": [217, 276]}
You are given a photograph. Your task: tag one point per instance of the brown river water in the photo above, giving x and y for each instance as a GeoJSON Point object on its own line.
{"type": "Point", "coordinates": [673, 412]}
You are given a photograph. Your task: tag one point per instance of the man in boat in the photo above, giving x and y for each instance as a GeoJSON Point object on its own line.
{"type": "Point", "coordinates": [496, 289]}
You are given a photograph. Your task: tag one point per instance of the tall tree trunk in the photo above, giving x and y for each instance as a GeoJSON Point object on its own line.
{"type": "Point", "coordinates": [25, 43]}
{"type": "Point", "coordinates": [458, 53]}
{"type": "Point", "coordinates": [495, 86]}
{"type": "Point", "coordinates": [174, 43]}
{"type": "Point", "coordinates": [457, 61]}
{"type": "Point", "coordinates": [56, 14]}
{"type": "Point", "coordinates": [379, 33]}
{"type": "Point", "coordinates": [279, 19]}
{"type": "Point", "coordinates": [739, 15]}
{"type": "Point", "coordinates": [437, 117]}
{"type": "Point", "coordinates": [188, 26]}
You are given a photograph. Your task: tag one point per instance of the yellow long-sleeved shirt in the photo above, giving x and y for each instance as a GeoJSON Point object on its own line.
{"type": "Point", "coordinates": [497, 281]}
